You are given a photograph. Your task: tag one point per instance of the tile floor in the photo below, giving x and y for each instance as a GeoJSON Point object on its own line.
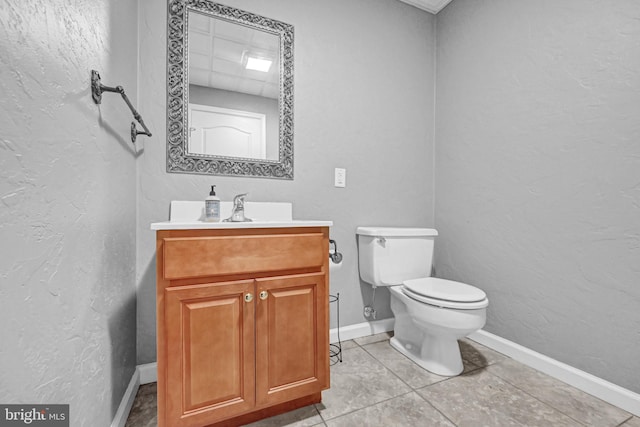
{"type": "Point", "coordinates": [377, 386]}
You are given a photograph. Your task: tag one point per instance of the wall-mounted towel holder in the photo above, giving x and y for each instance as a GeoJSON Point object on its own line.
{"type": "Point", "coordinates": [96, 92]}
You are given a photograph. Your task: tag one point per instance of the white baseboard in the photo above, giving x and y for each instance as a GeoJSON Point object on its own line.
{"type": "Point", "coordinates": [595, 386]}
{"type": "Point", "coordinates": [120, 419]}
{"type": "Point", "coordinates": [148, 373]}
{"type": "Point", "coordinates": [361, 330]}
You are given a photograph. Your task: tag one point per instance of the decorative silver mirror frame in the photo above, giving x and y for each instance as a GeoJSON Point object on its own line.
{"type": "Point", "coordinates": [178, 160]}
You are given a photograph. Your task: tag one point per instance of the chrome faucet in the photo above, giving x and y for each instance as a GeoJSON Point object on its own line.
{"type": "Point", "coordinates": [237, 214]}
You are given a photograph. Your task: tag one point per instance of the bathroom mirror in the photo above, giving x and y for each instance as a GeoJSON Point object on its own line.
{"type": "Point", "coordinates": [229, 92]}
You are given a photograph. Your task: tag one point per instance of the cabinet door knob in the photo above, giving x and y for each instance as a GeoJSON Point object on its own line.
{"type": "Point", "coordinates": [248, 297]}
{"type": "Point", "coordinates": [264, 295]}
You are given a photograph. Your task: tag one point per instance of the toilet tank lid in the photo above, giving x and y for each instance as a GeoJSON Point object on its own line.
{"type": "Point", "coordinates": [395, 231]}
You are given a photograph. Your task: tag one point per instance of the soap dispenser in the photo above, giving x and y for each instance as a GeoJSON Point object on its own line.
{"type": "Point", "coordinates": [212, 206]}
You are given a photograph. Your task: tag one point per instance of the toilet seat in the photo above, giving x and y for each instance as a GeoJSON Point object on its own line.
{"type": "Point", "coordinates": [445, 293]}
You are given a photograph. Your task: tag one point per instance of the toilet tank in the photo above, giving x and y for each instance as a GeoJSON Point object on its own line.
{"type": "Point", "coordinates": [387, 255]}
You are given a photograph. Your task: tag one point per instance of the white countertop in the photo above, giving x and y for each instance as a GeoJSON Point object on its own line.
{"type": "Point", "coordinates": [201, 225]}
{"type": "Point", "coordinates": [189, 215]}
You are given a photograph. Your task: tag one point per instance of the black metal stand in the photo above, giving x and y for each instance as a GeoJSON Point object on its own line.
{"type": "Point", "coordinates": [335, 350]}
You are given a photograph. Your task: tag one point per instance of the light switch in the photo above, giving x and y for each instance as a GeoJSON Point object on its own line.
{"type": "Point", "coordinates": [340, 177]}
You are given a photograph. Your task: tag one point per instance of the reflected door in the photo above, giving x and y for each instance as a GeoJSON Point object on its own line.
{"type": "Point", "coordinates": [225, 132]}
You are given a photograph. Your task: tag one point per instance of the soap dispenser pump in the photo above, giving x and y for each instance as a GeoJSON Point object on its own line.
{"type": "Point", "coordinates": [212, 206]}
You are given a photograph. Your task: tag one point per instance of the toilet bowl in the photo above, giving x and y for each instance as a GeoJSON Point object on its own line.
{"type": "Point", "coordinates": [427, 329]}
{"type": "Point", "coordinates": [431, 314]}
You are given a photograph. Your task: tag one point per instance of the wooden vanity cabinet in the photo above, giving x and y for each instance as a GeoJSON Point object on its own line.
{"type": "Point", "coordinates": [242, 323]}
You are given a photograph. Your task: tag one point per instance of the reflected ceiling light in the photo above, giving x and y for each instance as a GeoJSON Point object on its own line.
{"type": "Point", "coordinates": [258, 64]}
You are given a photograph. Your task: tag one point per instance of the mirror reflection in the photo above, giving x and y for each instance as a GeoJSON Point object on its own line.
{"type": "Point", "coordinates": [229, 92]}
{"type": "Point", "coordinates": [234, 76]}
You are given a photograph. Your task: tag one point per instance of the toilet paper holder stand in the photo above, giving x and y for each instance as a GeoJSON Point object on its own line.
{"type": "Point", "coordinates": [335, 349]}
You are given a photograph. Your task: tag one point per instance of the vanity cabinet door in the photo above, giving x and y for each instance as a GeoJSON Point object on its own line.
{"type": "Point", "coordinates": [291, 337]}
{"type": "Point", "coordinates": [210, 342]}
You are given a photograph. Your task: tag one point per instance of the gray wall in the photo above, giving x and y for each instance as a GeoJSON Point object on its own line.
{"type": "Point", "coordinates": [363, 100]}
{"type": "Point", "coordinates": [67, 206]}
{"type": "Point", "coordinates": [538, 173]}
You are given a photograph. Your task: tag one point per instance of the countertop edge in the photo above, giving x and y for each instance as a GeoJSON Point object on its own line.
{"type": "Point", "coordinates": [200, 225]}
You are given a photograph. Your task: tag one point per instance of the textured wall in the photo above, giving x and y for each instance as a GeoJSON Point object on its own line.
{"type": "Point", "coordinates": [538, 173]}
{"type": "Point", "coordinates": [363, 101]}
{"type": "Point", "coordinates": [67, 206]}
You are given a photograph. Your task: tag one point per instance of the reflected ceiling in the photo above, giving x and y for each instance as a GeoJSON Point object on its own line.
{"type": "Point", "coordinates": [218, 51]}
{"type": "Point", "coordinates": [433, 6]}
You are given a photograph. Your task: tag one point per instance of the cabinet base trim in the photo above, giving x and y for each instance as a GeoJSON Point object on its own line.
{"type": "Point", "coordinates": [270, 411]}
{"type": "Point", "coordinates": [148, 373]}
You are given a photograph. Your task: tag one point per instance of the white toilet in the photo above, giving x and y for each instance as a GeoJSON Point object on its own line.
{"type": "Point", "coordinates": [431, 314]}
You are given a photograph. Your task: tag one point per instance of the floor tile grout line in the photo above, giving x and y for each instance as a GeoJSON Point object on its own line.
{"type": "Point", "coordinates": [468, 373]}
{"type": "Point", "coordinates": [538, 399]}
{"type": "Point", "coordinates": [315, 406]}
{"type": "Point", "coordinates": [436, 408]}
{"type": "Point", "coordinates": [415, 390]}
{"type": "Point", "coordinates": [524, 391]}
{"type": "Point", "coordinates": [475, 367]}
{"type": "Point", "coordinates": [541, 401]}
{"type": "Point", "coordinates": [387, 368]}
{"type": "Point", "coordinates": [411, 389]}
{"type": "Point", "coordinates": [624, 422]}
{"type": "Point", "coordinates": [369, 406]}
{"type": "Point", "coordinates": [513, 385]}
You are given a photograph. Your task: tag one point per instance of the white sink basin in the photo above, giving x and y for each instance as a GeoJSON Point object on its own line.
{"type": "Point", "coordinates": [187, 215]}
